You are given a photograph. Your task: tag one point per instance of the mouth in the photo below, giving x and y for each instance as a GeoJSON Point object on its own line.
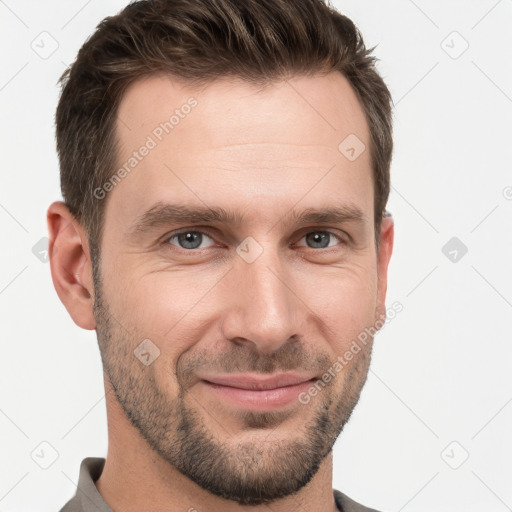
{"type": "Point", "coordinates": [259, 392]}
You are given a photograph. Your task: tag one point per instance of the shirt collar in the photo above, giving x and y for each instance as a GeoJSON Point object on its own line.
{"type": "Point", "coordinates": [91, 500]}
{"type": "Point", "coordinates": [86, 493]}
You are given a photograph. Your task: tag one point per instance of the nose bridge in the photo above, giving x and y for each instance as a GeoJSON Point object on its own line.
{"type": "Point", "coordinates": [263, 308]}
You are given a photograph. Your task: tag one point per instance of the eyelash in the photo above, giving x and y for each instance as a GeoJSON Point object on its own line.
{"type": "Point", "coordinates": [209, 233]}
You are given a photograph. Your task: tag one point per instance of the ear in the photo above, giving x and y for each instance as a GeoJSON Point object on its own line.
{"type": "Point", "coordinates": [387, 234]}
{"type": "Point", "coordinates": [70, 264]}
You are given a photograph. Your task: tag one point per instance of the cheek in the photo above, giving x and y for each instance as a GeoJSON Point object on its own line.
{"type": "Point", "coordinates": [171, 308]}
{"type": "Point", "coordinates": [158, 299]}
{"type": "Point", "coordinates": [344, 301]}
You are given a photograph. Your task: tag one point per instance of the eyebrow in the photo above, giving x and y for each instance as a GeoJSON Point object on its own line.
{"type": "Point", "coordinates": [164, 214]}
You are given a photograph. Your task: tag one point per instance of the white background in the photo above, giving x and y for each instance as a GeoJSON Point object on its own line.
{"type": "Point", "coordinates": [441, 369]}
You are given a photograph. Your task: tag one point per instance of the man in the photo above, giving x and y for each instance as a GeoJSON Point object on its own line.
{"type": "Point", "coordinates": [225, 170]}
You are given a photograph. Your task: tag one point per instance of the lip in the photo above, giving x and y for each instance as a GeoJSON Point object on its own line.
{"type": "Point", "coordinates": [259, 392]}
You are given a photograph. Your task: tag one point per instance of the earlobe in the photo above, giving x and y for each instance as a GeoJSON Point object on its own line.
{"type": "Point", "coordinates": [70, 265]}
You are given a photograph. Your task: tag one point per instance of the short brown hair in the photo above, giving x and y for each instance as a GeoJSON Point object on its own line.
{"type": "Point", "coordinates": [197, 41]}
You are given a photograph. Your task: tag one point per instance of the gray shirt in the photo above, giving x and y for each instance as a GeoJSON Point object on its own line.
{"type": "Point", "coordinates": [88, 499]}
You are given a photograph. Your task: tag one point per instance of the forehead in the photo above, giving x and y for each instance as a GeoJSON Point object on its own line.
{"type": "Point", "coordinates": [272, 143]}
{"type": "Point", "coordinates": [318, 109]}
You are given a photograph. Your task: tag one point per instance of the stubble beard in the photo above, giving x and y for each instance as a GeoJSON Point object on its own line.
{"type": "Point", "coordinates": [241, 471]}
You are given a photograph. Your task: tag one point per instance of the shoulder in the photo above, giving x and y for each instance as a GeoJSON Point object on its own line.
{"type": "Point", "coordinates": [87, 494]}
{"type": "Point", "coordinates": [73, 505]}
{"type": "Point", "coordinates": [345, 504]}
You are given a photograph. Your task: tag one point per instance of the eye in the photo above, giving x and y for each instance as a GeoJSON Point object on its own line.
{"type": "Point", "coordinates": [189, 240]}
{"type": "Point", "coordinates": [321, 239]}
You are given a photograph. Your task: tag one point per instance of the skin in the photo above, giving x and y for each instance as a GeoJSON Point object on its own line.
{"type": "Point", "coordinates": [261, 152]}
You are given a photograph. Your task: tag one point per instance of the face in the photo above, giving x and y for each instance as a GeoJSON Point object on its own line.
{"type": "Point", "coordinates": [240, 246]}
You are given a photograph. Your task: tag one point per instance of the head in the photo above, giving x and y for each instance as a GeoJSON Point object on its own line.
{"type": "Point", "coordinates": [225, 172]}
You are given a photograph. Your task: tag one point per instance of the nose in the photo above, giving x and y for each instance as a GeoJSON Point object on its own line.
{"type": "Point", "coordinates": [263, 309]}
